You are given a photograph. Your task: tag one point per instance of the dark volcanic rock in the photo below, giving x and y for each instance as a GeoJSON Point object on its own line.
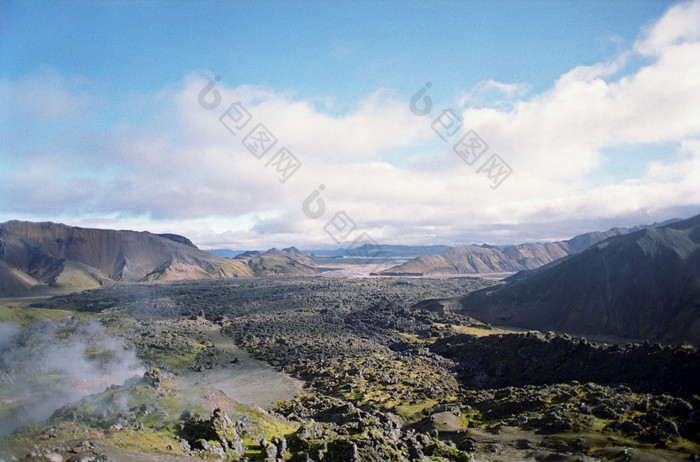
{"type": "Point", "coordinates": [217, 430]}
{"type": "Point", "coordinates": [498, 361]}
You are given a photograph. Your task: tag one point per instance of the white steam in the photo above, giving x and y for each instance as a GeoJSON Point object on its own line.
{"type": "Point", "coordinates": [49, 365]}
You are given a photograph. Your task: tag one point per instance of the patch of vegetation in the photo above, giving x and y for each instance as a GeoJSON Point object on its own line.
{"type": "Point", "coordinates": [173, 346]}
{"type": "Point", "coordinates": [24, 315]}
{"type": "Point", "coordinates": [146, 440]}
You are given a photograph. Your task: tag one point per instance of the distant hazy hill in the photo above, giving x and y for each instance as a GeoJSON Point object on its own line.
{"type": "Point", "coordinates": [36, 256]}
{"type": "Point", "coordinates": [645, 284]}
{"type": "Point", "coordinates": [275, 262]}
{"type": "Point", "coordinates": [382, 251]}
{"type": "Point", "coordinates": [470, 259]}
{"type": "Point", "coordinates": [225, 253]}
{"type": "Point", "coordinates": [362, 254]}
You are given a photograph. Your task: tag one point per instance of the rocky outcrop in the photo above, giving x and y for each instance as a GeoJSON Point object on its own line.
{"type": "Point", "coordinates": [498, 361]}
{"type": "Point", "coordinates": [335, 429]}
{"type": "Point", "coordinates": [216, 436]}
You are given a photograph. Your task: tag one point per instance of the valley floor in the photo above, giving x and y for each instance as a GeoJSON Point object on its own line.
{"type": "Point", "coordinates": [340, 369]}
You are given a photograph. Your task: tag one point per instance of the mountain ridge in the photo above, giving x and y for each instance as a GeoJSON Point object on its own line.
{"type": "Point", "coordinates": [484, 258]}
{"type": "Point", "coordinates": [40, 257]}
{"type": "Point", "coordinates": [641, 285]}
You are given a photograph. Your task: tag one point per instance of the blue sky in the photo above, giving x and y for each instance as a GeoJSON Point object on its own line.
{"type": "Point", "coordinates": [592, 105]}
{"type": "Point", "coordinates": [338, 50]}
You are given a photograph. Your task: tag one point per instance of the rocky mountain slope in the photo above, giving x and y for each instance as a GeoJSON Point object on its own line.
{"type": "Point", "coordinates": [36, 257]}
{"type": "Point", "coordinates": [645, 284]}
{"type": "Point", "coordinates": [470, 259]}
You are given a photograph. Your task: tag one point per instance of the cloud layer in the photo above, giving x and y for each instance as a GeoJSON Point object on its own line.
{"type": "Point", "coordinates": [73, 151]}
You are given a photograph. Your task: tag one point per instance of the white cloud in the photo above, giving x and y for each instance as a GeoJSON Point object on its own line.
{"type": "Point", "coordinates": [678, 26]}
{"type": "Point", "coordinates": [559, 133]}
{"type": "Point", "coordinates": [490, 93]}
{"type": "Point", "coordinates": [378, 123]}
{"type": "Point", "coordinates": [183, 171]}
{"type": "Point", "coordinates": [44, 96]}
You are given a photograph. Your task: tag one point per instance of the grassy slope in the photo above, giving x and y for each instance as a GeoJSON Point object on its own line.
{"type": "Point", "coordinates": [22, 314]}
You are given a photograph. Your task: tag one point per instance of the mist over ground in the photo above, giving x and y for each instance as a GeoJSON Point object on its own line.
{"type": "Point", "coordinates": [50, 364]}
